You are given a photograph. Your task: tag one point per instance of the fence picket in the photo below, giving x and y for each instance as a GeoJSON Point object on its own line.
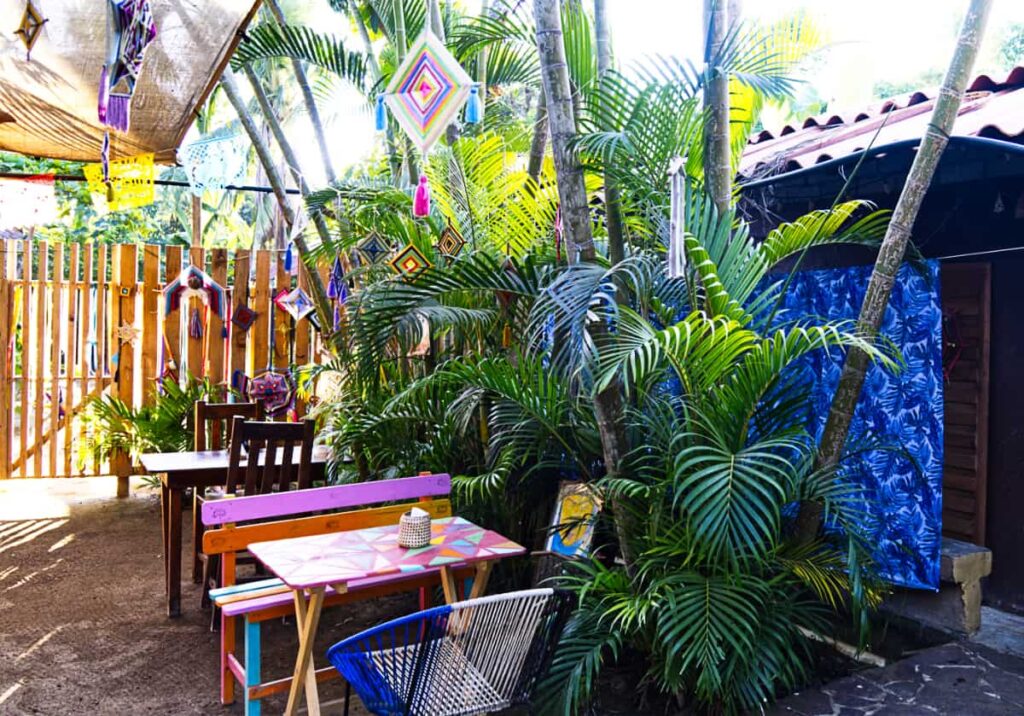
{"type": "Point", "coordinates": [239, 296]}
{"type": "Point", "coordinates": [172, 323]}
{"type": "Point", "coordinates": [216, 338]}
{"type": "Point", "coordinates": [150, 320]}
{"type": "Point", "coordinates": [264, 307]}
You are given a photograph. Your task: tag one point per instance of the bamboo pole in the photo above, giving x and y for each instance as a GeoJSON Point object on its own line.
{"type": "Point", "coordinates": [608, 408]}
{"type": "Point", "coordinates": [717, 156]}
{"type": "Point", "coordinates": [894, 246]}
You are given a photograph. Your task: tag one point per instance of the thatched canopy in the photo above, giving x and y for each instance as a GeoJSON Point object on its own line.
{"type": "Point", "coordinates": [48, 104]}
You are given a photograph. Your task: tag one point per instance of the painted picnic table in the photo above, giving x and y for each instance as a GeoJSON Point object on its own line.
{"type": "Point", "coordinates": [179, 471]}
{"type": "Point", "coordinates": [309, 565]}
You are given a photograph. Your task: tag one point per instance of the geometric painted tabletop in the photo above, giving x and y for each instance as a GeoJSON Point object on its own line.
{"type": "Point", "coordinates": [339, 557]}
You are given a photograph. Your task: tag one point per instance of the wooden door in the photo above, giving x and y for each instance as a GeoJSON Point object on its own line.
{"type": "Point", "coordinates": [966, 297]}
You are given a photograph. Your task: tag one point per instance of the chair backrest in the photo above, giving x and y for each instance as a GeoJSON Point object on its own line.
{"type": "Point", "coordinates": [475, 656]}
{"type": "Point", "coordinates": [212, 424]}
{"type": "Point", "coordinates": [231, 528]}
{"type": "Point", "coordinates": [275, 455]}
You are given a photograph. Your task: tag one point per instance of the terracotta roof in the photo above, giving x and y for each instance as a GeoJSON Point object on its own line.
{"type": "Point", "coordinates": [993, 108]}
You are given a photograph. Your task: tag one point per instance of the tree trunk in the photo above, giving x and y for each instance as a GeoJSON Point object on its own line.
{"type": "Point", "coordinates": [308, 99]}
{"type": "Point", "coordinates": [401, 47]}
{"type": "Point", "coordinates": [375, 74]}
{"type": "Point", "coordinates": [540, 137]}
{"type": "Point", "coordinates": [316, 284]}
{"type": "Point", "coordinates": [894, 245]}
{"type": "Point", "coordinates": [717, 154]}
{"type": "Point", "coordinates": [612, 205]}
{"type": "Point", "coordinates": [608, 408]}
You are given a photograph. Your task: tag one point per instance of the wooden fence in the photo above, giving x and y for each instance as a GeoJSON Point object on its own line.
{"type": "Point", "coordinates": [78, 320]}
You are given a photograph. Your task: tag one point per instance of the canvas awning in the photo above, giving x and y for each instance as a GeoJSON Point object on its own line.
{"type": "Point", "coordinates": [48, 104]}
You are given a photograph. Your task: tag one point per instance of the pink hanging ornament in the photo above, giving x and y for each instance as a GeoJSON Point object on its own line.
{"type": "Point", "coordinates": [421, 202]}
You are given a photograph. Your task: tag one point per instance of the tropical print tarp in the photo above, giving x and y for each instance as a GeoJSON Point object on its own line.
{"type": "Point", "coordinates": [903, 411]}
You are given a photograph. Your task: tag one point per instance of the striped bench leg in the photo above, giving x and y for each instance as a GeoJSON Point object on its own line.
{"type": "Point", "coordinates": [252, 665]}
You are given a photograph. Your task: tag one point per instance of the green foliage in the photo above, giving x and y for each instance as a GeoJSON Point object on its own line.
{"type": "Point", "coordinates": [163, 426]}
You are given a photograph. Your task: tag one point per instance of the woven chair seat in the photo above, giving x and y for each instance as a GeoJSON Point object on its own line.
{"type": "Point", "coordinates": [473, 657]}
{"type": "Point", "coordinates": [452, 686]}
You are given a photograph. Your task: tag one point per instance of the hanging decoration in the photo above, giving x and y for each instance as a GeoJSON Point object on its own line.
{"type": "Point", "coordinates": [273, 390]}
{"type": "Point", "coordinates": [130, 30]}
{"type": "Point", "coordinates": [451, 243]}
{"type": "Point", "coordinates": [558, 234]}
{"type": "Point", "coordinates": [374, 248]}
{"type": "Point", "coordinates": [127, 333]}
{"type": "Point", "coordinates": [337, 289]}
{"type": "Point", "coordinates": [127, 183]}
{"type": "Point", "coordinates": [677, 221]}
{"type": "Point", "coordinates": [212, 164]}
{"type": "Point", "coordinates": [296, 303]}
{"type": "Point", "coordinates": [427, 91]}
{"type": "Point", "coordinates": [410, 262]}
{"type": "Point", "coordinates": [27, 201]}
{"type": "Point", "coordinates": [192, 282]}
{"type": "Point", "coordinates": [243, 317]}
{"type": "Point", "coordinates": [291, 260]}
{"type": "Point", "coordinates": [421, 200]}
{"type": "Point", "coordinates": [30, 28]}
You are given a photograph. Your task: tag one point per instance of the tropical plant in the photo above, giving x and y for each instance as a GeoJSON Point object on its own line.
{"type": "Point", "coordinates": [111, 425]}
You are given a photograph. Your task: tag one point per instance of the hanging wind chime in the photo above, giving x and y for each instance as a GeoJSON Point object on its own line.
{"type": "Point", "coordinates": [677, 219]}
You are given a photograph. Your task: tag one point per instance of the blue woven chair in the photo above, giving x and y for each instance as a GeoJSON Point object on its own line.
{"type": "Point", "coordinates": [472, 657]}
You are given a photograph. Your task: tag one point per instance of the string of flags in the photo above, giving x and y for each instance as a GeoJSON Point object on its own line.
{"type": "Point", "coordinates": [27, 201]}
{"type": "Point", "coordinates": [127, 183]}
{"type": "Point", "coordinates": [213, 163]}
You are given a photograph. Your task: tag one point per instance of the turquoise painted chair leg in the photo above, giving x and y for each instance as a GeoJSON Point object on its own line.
{"type": "Point", "coordinates": [252, 665]}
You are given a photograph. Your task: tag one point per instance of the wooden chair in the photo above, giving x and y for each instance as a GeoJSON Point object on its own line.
{"type": "Point", "coordinates": [211, 429]}
{"type": "Point", "coordinates": [269, 454]}
{"type": "Point", "coordinates": [273, 469]}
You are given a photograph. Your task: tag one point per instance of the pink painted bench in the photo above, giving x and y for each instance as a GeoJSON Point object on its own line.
{"type": "Point", "coordinates": [233, 524]}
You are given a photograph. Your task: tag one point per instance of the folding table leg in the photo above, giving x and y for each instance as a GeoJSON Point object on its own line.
{"type": "Point", "coordinates": [306, 619]}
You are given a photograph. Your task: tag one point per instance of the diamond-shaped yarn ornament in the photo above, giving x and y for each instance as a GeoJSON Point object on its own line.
{"type": "Point", "coordinates": [295, 303]}
{"type": "Point", "coordinates": [410, 262]}
{"type": "Point", "coordinates": [451, 243]}
{"type": "Point", "coordinates": [428, 90]}
{"type": "Point", "coordinates": [374, 248]}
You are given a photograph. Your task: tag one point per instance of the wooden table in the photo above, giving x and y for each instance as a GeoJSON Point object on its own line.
{"type": "Point", "coordinates": [179, 471]}
{"type": "Point", "coordinates": [308, 565]}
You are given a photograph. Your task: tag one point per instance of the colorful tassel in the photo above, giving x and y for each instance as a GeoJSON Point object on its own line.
{"type": "Point", "coordinates": [380, 118]}
{"type": "Point", "coordinates": [475, 107]}
{"type": "Point", "coordinates": [421, 202]}
{"type": "Point", "coordinates": [289, 259]}
{"type": "Point", "coordinates": [506, 336]}
{"type": "Point", "coordinates": [119, 111]}
{"type": "Point", "coordinates": [195, 325]}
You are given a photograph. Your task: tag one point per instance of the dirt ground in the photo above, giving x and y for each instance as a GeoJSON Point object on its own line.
{"type": "Point", "coordinates": [83, 625]}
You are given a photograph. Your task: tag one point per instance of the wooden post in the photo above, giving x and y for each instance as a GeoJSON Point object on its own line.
{"type": "Point", "coordinates": [6, 324]}
{"type": "Point", "coordinates": [196, 367]}
{"type": "Point", "coordinates": [264, 307]}
{"type": "Point", "coordinates": [282, 321]}
{"type": "Point", "coordinates": [215, 342]}
{"type": "Point", "coordinates": [239, 297]}
{"type": "Point", "coordinates": [172, 327]}
{"type": "Point", "coordinates": [39, 388]}
{"type": "Point", "coordinates": [150, 320]}
{"type": "Point", "coordinates": [83, 333]}
{"type": "Point", "coordinates": [56, 288]}
{"type": "Point", "coordinates": [69, 355]}
{"type": "Point", "coordinates": [125, 286]}
{"type": "Point", "coordinates": [26, 351]}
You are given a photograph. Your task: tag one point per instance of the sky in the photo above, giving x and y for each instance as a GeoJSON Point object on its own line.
{"type": "Point", "coordinates": [868, 41]}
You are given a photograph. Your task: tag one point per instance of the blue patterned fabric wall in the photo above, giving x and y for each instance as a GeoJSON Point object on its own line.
{"type": "Point", "coordinates": [905, 409]}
